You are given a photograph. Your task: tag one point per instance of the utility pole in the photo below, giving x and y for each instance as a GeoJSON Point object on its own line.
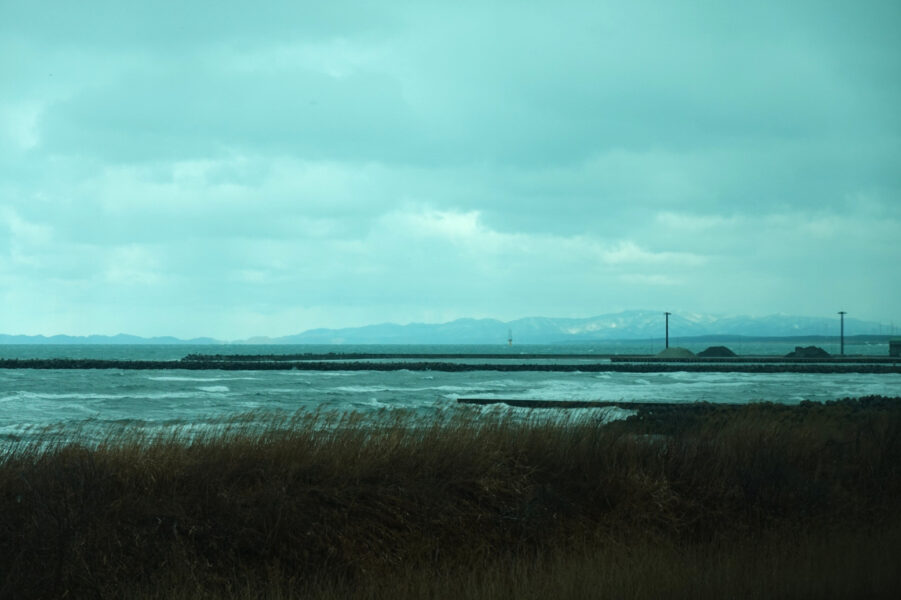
{"type": "Point", "coordinates": [843, 313]}
{"type": "Point", "coordinates": [667, 328]}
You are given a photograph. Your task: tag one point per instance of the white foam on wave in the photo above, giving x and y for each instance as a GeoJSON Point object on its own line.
{"type": "Point", "coordinates": [321, 373]}
{"type": "Point", "coordinates": [845, 387]}
{"type": "Point", "coordinates": [67, 396]}
{"type": "Point", "coordinates": [364, 389]}
{"type": "Point", "coordinates": [213, 388]}
{"type": "Point", "coordinates": [202, 379]}
{"type": "Point", "coordinates": [588, 387]}
{"type": "Point", "coordinates": [143, 395]}
{"type": "Point", "coordinates": [371, 403]}
{"type": "Point", "coordinates": [569, 415]}
{"type": "Point", "coordinates": [161, 396]}
{"type": "Point", "coordinates": [361, 389]}
{"type": "Point", "coordinates": [718, 379]}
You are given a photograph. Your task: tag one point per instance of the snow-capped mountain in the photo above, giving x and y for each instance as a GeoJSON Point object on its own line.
{"type": "Point", "coordinates": [629, 325]}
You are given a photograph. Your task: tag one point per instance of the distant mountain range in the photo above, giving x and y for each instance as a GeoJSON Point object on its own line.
{"type": "Point", "coordinates": [629, 325]}
{"type": "Point", "coordinates": [100, 339]}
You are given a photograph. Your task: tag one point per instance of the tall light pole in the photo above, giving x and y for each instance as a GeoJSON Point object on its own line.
{"type": "Point", "coordinates": [843, 313]}
{"type": "Point", "coordinates": [667, 328]}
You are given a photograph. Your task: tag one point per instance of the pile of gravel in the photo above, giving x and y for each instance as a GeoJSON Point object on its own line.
{"type": "Point", "coordinates": [717, 352]}
{"type": "Point", "coordinates": [676, 352]}
{"type": "Point", "coordinates": [807, 352]}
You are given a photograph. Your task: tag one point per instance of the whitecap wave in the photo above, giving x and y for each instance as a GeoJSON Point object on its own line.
{"type": "Point", "coordinates": [213, 388]}
{"type": "Point", "coordinates": [202, 379]}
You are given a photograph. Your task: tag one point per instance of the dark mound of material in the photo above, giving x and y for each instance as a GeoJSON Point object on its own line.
{"type": "Point", "coordinates": [676, 352]}
{"type": "Point", "coordinates": [717, 352]}
{"type": "Point", "coordinates": [808, 352]}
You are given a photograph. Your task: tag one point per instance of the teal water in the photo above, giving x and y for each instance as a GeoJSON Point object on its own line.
{"type": "Point", "coordinates": [103, 398]}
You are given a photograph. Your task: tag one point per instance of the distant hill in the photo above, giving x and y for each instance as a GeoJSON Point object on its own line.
{"type": "Point", "coordinates": [100, 339]}
{"type": "Point", "coordinates": [629, 325]}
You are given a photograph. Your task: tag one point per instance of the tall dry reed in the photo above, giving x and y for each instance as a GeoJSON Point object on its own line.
{"type": "Point", "coordinates": [341, 505]}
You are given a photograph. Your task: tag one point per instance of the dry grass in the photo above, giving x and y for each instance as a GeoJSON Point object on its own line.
{"type": "Point", "coordinates": [759, 501]}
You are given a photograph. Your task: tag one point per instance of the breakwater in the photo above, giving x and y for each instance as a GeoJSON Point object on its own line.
{"type": "Point", "coordinates": [645, 366]}
{"type": "Point", "coordinates": [618, 358]}
{"type": "Point", "coordinates": [318, 356]}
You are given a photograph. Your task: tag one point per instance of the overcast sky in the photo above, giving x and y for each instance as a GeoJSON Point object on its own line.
{"type": "Point", "coordinates": [233, 168]}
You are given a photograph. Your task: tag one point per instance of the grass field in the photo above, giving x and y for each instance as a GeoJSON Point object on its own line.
{"type": "Point", "coordinates": [756, 501]}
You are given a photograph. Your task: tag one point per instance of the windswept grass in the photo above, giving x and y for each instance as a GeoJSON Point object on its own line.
{"type": "Point", "coordinates": [757, 501]}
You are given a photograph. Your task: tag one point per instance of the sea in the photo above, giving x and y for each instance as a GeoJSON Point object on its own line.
{"type": "Point", "coordinates": [89, 402]}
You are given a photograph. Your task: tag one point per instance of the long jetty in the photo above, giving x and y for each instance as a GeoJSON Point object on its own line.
{"type": "Point", "coordinates": [618, 358]}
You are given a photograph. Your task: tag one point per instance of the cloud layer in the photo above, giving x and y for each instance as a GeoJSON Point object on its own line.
{"type": "Point", "coordinates": [212, 169]}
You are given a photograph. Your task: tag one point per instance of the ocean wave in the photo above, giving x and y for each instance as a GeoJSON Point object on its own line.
{"type": "Point", "coordinates": [28, 395]}
{"type": "Point", "coordinates": [202, 379]}
{"type": "Point", "coordinates": [38, 398]}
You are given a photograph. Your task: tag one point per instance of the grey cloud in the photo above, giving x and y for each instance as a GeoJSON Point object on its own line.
{"type": "Point", "coordinates": [222, 164]}
{"type": "Point", "coordinates": [169, 26]}
{"type": "Point", "coordinates": [562, 98]}
{"type": "Point", "coordinates": [166, 115]}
